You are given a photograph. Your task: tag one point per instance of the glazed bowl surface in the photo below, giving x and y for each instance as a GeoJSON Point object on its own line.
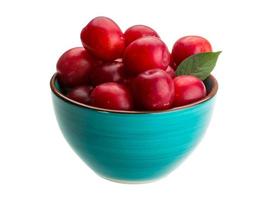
{"type": "Point", "coordinates": [132, 146]}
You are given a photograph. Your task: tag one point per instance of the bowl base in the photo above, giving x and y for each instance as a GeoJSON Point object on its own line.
{"type": "Point", "coordinates": [130, 182]}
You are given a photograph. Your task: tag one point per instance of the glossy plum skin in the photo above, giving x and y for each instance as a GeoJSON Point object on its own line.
{"type": "Point", "coordinates": [146, 53]}
{"type": "Point", "coordinates": [138, 31]}
{"type": "Point", "coordinates": [169, 70]}
{"type": "Point", "coordinates": [74, 67]}
{"type": "Point", "coordinates": [189, 45]}
{"type": "Point", "coordinates": [81, 94]}
{"type": "Point", "coordinates": [153, 90]}
{"type": "Point", "coordinates": [103, 38]}
{"type": "Point", "coordinates": [108, 72]}
{"type": "Point", "coordinates": [172, 63]}
{"type": "Point", "coordinates": [113, 96]}
{"type": "Point", "coordinates": [188, 89]}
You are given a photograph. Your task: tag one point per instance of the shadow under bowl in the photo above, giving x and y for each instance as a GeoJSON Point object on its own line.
{"type": "Point", "coordinates": [132, 146]}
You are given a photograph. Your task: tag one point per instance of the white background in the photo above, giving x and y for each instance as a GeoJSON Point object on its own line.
{"type": "Point", "coordinates": [37, 163]}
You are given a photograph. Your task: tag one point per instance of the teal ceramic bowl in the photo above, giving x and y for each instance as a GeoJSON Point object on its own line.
{"type": "Point", "coordinates": [132, 146]}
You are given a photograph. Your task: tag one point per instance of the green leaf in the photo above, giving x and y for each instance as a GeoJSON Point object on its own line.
{"type": "Point", "coordinates": [199, 65]}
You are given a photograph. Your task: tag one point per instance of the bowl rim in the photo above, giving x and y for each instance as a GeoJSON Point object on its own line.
{"type": "Point", "coordinates": [210, 95]}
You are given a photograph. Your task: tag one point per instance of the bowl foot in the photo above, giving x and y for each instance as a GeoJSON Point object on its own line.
{"type": "Point", "coordinates": [129, 181]}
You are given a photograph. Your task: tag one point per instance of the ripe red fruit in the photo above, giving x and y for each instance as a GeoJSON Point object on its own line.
{"type": "Point", "coordinates": [128, 81]}
{"type": "Point", "coordinates": [188, 89]}
{"type": "Point", "coordinates": [103, 38]}
{"type": "Point", "coordinates": [74, 67]}
{"type": "Point", "coordinates": [172, 63]}
{"type": "Point", "coordinates": [169, 70]}
{"type": "Point", "coordinates": [81, 94]}
{"type": "Point", "coordinates": [153, 90]}
{"type": "Point", "coordinates": [138, 31]}
{"type": "Point", "coordinates": [108, 72]}
{"type": "Point", "coordinates": [113, 96]}
{"type": "Point", "coordinates": [189, 45]}
{"type": "Point", "coordinates": [146, 53]}
{"type": "Point", "coordinates": [119, 60]}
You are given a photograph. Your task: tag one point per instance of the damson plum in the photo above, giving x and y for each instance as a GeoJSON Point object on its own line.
{"type": "Point", "coordinates": [188, 89]}
{"type": "Point", "coordinates": [138, 31]}
{"type": "Point", "coordinates": [187, 46]}
{"type": "Point", "coordinates": [74, 67]}
{"type": "Point", "coordinates": [113, 96]}
{"type": "Point", "coordinates": [153, 90]}
{"type": "Point", "coordinates": [108, 72]}
{"type": "Point", "coordinates": [103, 38]}
{"type": "Point", "coordinates": [146, 53]}
{"type": "Point", "coordinates": [81, 94]}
